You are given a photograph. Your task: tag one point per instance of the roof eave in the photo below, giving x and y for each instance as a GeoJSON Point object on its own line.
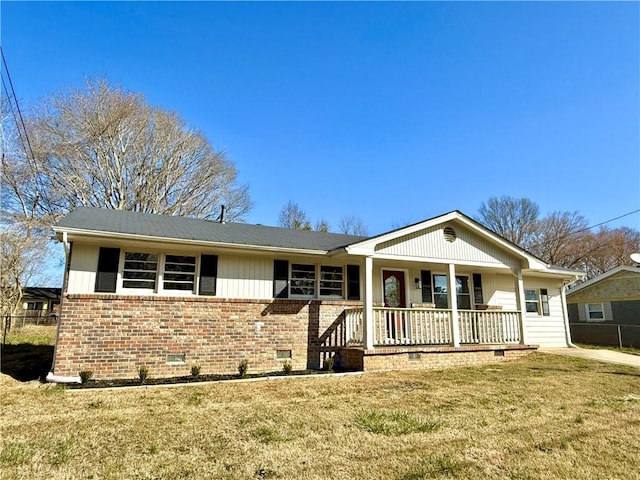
{"type": "Point", "coordinates": [139, 237]}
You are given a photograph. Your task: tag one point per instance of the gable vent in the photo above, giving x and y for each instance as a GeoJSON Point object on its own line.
{"type": "Point", "coordinates": [449, 234]}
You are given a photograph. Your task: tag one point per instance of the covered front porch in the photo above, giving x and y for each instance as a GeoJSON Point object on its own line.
{"type": "Point", "coordinates": [430, 326]}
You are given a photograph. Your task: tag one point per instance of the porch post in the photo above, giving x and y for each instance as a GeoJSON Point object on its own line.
{"type": "Point", "coordinates": [522, 306]}
{"type": "Point", "coordinates": [368, 303]}
{"type": "Point", "coordinates": [453, 305]}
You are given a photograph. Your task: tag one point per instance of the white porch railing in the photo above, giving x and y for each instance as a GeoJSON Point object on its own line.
{"type": "Point", "coordinates": [354, 325]}
{"type": "Point", "coordinates": [411, 326]}
{"type": "Point", "coordinates": [488, 326]}
{"type": "Point", "coordinates": [418, 326]}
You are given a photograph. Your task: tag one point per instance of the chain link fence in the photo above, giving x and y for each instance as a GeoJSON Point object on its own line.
{"type": "Point", "coordinates": [29, 329]}
{"type": "Point", "coordinates": [611, 334]}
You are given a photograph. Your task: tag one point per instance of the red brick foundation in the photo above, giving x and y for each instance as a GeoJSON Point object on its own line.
{"type": "Point", "coordinates": [417, 358]}
{"type": "Point", "coordinates": [114, 335]}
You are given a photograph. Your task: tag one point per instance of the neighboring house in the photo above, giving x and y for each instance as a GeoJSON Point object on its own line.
{"type": "Point", "coordinates": [171, 292]}
{"type": "Point", "coordinates": [39, 302]}
{"type": "Point", "coordinates": [606, 309]}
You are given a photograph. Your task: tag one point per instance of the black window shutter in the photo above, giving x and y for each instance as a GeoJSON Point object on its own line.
{"type": "Point", "coordinates": [107, 273]}
{"type": "Point", "coordinates": [280, 279]}
{"type": "Point", "coordinates": [353, 282]}
{"type": "Point", "coordinates": [544, 300]}
{"type": "Point", "coordinates": [478, 299]}
{"type": "Point", "coordinates": [208, 274]}
{"type": "Point", "coordinates": [427, 297]}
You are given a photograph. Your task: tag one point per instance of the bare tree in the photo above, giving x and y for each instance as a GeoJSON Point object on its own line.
{"type": "Point", "coordinates": [292, 216]}
{"type": "Point", "coordinates": [21, 254]}
{"type": "Point", "coordinates": [611, 248]}
{"type": "Point", "coordinates": [101, 146]}
{"type": "Point", "coordinates": [352, 225]}
{"type": "Point", "coordinates": [513, 218]}
{"type": "Point", "coordinates": [561, 239]}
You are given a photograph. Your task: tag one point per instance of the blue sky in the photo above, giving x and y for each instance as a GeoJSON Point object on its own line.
{"type": "Point", "coordinates": [394, 112]}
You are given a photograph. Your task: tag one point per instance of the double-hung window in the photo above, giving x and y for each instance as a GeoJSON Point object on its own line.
{"type": "Point", "coordinates": [440, 292]}
{"type": "Point", "coordinates": [179, 272]}
{"type": "Point", "coordinates": [595, 312]}
{"type": "Point", "coordinates": [140, 270]}
{"type": "Point", "coordinates": [537, 301]}
{"type": "Point", "coordinates": [532, 301]}
{"type": "Point", "coordinates": [303, 280]}
{"type": "Point", "coordinates": [331, 281]}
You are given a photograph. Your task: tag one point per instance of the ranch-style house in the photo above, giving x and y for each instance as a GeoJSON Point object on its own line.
{"type": "Point", "coordinates": [170, 292]}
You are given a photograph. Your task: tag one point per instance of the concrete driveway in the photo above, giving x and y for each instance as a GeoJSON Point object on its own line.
{"type": "Point", "coordinates": [607, 356]}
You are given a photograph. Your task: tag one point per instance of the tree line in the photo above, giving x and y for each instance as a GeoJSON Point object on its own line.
{"type": "Point", "coordinates": [561, 238]}
{"type": "Point", "coordinates": [99, 145]}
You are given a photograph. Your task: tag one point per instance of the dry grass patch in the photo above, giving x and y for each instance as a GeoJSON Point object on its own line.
{"type": "Point", "coordinates": [545, 416]}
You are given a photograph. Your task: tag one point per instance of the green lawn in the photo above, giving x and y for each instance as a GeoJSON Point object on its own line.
{"type": "Point", "coordinates": [544, 416]}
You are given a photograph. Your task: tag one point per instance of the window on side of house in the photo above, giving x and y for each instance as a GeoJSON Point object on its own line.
{"type": "Point", "coordinates": [532, 301]}
{"type": "Point", "coordinates": [331, 281]}
{"type": "Point", "coordinates": [179, 272]}
{"type": "Point", "coordinates": [303, 280]}
{"type": "Point", "coordinates": [35, 305]}
{"type": "Point", "coordinates": [595, 312]}
{"type": "Point", "coordinates": [140, 270]}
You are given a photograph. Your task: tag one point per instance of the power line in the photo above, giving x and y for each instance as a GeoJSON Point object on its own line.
{"type": "Point", "coordinates": [21, 123]}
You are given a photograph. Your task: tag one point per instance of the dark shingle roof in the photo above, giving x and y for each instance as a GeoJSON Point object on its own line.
{"type": "Point", "coordinates": [184, 228]}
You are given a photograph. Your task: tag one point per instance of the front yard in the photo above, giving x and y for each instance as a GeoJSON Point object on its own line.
{"type": "Point", "coordinates": [542, 417]}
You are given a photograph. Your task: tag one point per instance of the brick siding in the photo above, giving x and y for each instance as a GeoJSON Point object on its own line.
{"type": "Point", "coordinates": [114, 335]}
{"type": "Point", "coordinates": [417, 358]}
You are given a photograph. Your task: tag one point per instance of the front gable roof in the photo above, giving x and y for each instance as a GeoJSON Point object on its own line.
{"type": "Point", "coordinates": [100, 222]}
{"type": "Point", "coordinates": [426, 238]}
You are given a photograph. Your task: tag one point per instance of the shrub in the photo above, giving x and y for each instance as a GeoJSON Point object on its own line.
{"type": "Point", "coordinates": [195, 370]}
{"type": "Point", "coordinates": [143, 373]}
{"type": "Point", "coordinates": [287, 367]}
{"type": "Point", "coordinates": [85, 376]}
{"type": "Point", "coordinates": [243, 367]}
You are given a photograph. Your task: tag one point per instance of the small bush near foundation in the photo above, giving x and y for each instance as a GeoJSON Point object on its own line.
{"type": "Point", "coordinates": [85, 376]}
{"type": "Point", "coordinates": [243, 368]}
{"type": "Point", "coordinates": [287, 367]}
{"type": "Point", "coordinates": [195, 370]}
{"type": "Point", "coordinates": [143, 373]}
{"type": "Point", "coordinates": [328, 364]}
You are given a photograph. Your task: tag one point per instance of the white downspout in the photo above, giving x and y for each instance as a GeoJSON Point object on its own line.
{"type": "Point", "coordinates": [565, 312]}
{"type": "Point", "coordinates": [50, 376]}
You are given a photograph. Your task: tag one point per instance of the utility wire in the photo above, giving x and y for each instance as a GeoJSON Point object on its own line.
{"type": "Point", "coordinates": [15, 100]}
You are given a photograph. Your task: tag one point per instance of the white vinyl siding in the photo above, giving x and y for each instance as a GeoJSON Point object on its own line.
{"type": "Point", "coordinates": [245, 277]}
{"type": "Point", "coordinates": [430, 243]}
{"type": "Point", "coordinates": [546, 331]}
{"type": "Point", "coordinates": [83, 268]}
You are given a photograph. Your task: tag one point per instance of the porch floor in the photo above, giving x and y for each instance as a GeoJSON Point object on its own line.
{"type": "Point", "coordinates": [416, 357]}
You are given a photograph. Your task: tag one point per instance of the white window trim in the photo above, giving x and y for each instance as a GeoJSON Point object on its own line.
{"type": "Point", "coordinates": [171, 291]}
{"type": "Point", "coordinates": [315, 281]}
{"type": "Point", "coordinates": [538, 312]}
{"type": "Point", "coordinates": [159, 286]}
{"type": "Point", "coordinates": [588, 312]}
{"type": "Point", "coordinates": [120, 288]}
